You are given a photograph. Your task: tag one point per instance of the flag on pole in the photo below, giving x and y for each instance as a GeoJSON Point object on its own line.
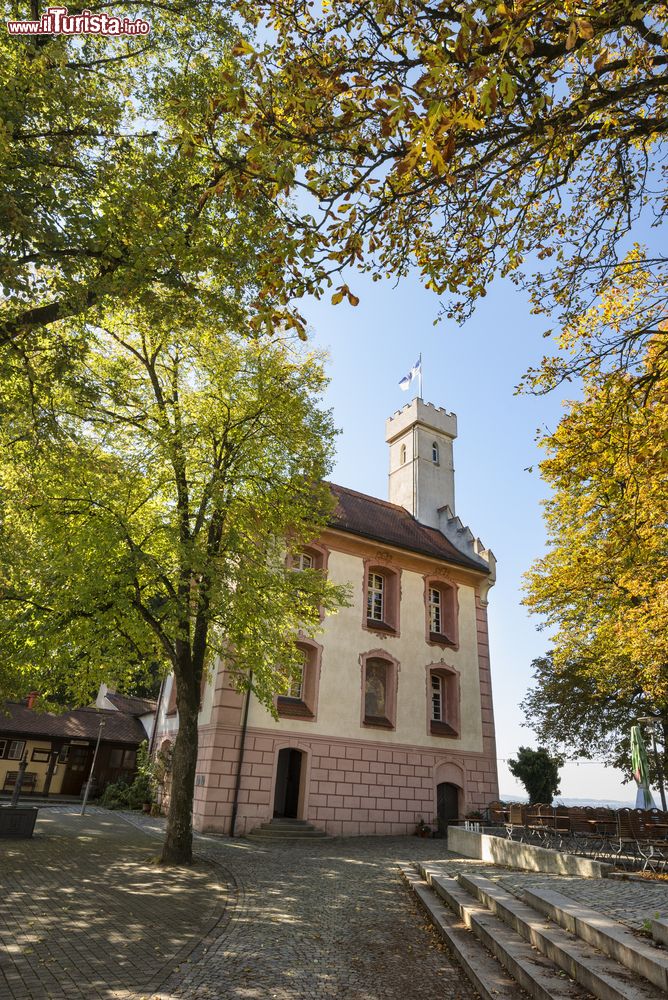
{"type": "Point", "coordinates": [415, 370]}
{"type": "Point", "coordinates": [640, 766]}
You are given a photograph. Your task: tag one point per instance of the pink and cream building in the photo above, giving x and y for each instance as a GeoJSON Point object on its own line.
{"type": "Point", "coordinates": [392, 721]}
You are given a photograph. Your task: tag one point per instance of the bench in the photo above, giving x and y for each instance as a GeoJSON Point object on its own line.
{"type": "Point", "coordinates": [29, 781]}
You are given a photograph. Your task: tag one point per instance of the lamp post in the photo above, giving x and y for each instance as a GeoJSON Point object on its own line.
{"type": "Point", "coordinates": [651, 721]}
{"type": "Point", "coordinates": [92, 768]}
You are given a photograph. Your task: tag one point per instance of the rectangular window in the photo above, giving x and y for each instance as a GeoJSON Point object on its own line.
{"type": "Point", "coordinates": [304, 561]}
{"type": "Point", "coordinates": [116, 758]}
{"type": "Point", "coordinates": [436, 698]}
{"type": "Point", "coordinates": [374, 597]}
{"type": "Point", "coordinates": [15, 749]}
{"type": "Point", "coordinates": [3, 746]}
{"type": "Point", "coordinates": [63, 755]}
{"type": "Point", "coordinates": [41, 756]}
{"type": "Point", "coordinates": [434, 610]}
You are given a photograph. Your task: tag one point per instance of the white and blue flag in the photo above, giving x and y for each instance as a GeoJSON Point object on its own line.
{"type": "Point", "coordinates": [415, 370]}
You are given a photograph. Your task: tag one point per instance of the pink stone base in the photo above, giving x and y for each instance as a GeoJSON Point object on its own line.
{"type": "Point", "coordinates": [348, 788]}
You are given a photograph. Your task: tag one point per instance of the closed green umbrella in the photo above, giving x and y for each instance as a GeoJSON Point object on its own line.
{"type": "Point", "coordinates": [640, 766]}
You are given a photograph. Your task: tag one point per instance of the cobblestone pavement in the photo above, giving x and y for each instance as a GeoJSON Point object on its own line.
{"type": "Point", "coordinates": [83, 914]}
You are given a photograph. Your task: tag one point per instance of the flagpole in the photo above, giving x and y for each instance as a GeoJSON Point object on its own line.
{"type": "Point", "coordinates": [420, 396]}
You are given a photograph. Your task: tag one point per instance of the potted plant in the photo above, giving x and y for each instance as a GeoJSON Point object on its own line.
{"type": "Point", "coordinates": [422, 829]}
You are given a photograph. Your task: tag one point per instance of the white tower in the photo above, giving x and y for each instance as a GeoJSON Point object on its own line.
{"type": "Point", "coordinates": [422, 475]}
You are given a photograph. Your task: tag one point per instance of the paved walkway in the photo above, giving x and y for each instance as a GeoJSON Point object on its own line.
{"type": "Point", "coordinates": [86, 913]}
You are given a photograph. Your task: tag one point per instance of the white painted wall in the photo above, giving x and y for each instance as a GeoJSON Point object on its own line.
{"type": "Point", "coordinates": [344, 639]}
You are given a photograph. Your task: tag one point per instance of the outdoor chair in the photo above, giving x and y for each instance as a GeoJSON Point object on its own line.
{"type": "Point", "coordinates": [655, 822]}
{"type": "Point", "coordinates": [497, 813]}
{"type": "Point", "coordinates": [562, 826]}
{"type": "Point", "coordinates": [635, 845]}
{"type": "Point", "coordinates": [516, 821]}
{"type": "Point", "coordinates": [544, 824]}
{"type": "Point", "coordinates": [583, 839]}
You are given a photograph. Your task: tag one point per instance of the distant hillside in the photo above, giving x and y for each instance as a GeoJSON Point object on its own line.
{"type": "Point", "coordinates": [611, 803]}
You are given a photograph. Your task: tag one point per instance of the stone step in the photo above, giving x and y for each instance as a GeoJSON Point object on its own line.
{"type": "Point", "coordinates": [287, 824]}
{"type": "Point", "coordinates": [660, 931]}
{"type": "Point", "coordinates": [594, 971]}
{"type": "Point", "coordinates": [260, 834]}
{"type": "Point", "coordinates": [609, 936]}
{"type": "Point", "coordinates": [506, 968]}
{"type": "Point", "coordinates": [287, 829]}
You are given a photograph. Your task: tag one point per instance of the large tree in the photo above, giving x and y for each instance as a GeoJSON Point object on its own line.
{"type": "Point", "coordinates": [574, 716]}
{"type": "Point", "coordinates": [601, 587]}
{"type": "Point", "coordinates": [103, 197]}
{"type": "Point", "coordinates": [462, 139]}
{"type": "Point", "coordinates": [149, 500]}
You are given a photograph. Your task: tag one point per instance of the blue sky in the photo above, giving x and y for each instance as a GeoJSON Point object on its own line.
{"type": "Point", "coordinates": [471, 370]}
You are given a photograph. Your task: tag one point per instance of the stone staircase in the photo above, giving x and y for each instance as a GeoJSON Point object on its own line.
{"type": "Point", "coordinates": [539, 944]}
{"type": "Point", "coordinates": [287, 829]}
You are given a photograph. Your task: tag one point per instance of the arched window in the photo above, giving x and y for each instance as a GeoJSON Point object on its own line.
{"type": "Point", "coordinates": [435, 453]}
{"type": "Point", "coordinates": [402, 454]}
{"type": "Point", "coordinates": [312, 556]}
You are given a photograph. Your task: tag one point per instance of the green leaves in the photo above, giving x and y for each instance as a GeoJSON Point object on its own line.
{"type": "Point", "coordinates": [155, 508]}
{"type": "Point", "coordinates": [601, 586]}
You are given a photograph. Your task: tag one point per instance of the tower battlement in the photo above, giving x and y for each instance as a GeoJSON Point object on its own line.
{"type": "Point", "coordinates": [417, 411]}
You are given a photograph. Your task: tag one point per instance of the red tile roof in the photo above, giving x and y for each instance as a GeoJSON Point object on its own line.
{"type": "Point", "coordinates": [387, 522]}
{"type": "Point", "coordinates": [81, 724]}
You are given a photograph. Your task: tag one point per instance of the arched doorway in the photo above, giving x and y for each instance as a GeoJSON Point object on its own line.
{"type": "Point", "coordinates": [288, 783]}
{"type": "Point", "coordinates": [447, 804]}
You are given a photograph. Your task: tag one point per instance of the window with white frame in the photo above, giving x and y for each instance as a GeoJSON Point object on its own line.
{"type": "Point", "coordinates": [444, 697]}
{"type": "Point", "coordinates": [436, 698]}
{"type": "Point", "coordinates": [3, 747]}
{"type": "Point", "coordinates": [441, 613]}
{"type": "Point", "coordinates": [15, 749]}
{"type": "Point", "coordinates": [435, 457]}
{"type": "Point", "coordinates": [296, 688]}
{"type": "Point", "coordinates": [375, 597]}
{"type": "Point", "coordinates": [304, 561]}
{"type": "Point", "coordinates": [301, 698]}
{"type": "Point", "coordinates": [435, 610]}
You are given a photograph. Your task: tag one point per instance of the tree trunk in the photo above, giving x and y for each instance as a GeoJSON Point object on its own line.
{"type": "Point", "coordinates": [177, 848]}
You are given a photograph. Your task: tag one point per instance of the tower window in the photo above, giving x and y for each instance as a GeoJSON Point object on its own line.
{"type": "Point", "coordinates": [434, 453]}
{"type": "Point", "coordinates": [402, 454]}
